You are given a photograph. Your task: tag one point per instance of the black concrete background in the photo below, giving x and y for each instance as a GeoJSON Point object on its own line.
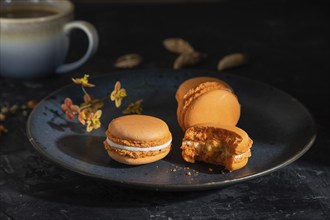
{"type": "Point", "coordinates": [288, 46]}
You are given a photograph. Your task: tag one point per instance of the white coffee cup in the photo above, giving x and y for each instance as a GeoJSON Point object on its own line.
{"type": "Point", "coordinates": [34, 37]}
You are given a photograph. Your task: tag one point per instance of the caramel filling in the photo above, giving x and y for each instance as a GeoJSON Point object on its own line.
{"type": "Point", "coordinates": [211, 151]}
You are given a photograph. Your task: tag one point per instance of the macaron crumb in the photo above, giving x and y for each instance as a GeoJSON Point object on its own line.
{"type": "Point", "coordinates": [188, 173]}
{"type": "Point", "coordinates": [210, 170]}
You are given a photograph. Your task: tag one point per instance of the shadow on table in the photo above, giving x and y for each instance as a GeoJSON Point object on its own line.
{"type": "Point", "coordinates": [71, 188]}
{"type": "Point", "coordinates": [41, 179]}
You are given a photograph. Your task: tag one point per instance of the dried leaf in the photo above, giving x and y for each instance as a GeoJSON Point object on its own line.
{"type": "Point", "coordinates": [13, 109]}
{"type": "Point", "coordinates": [231, 61]}
{"type": "Point", "coordinates": [188, 59]}
{"type": "Point", "coordinates": [31, 104]}
{"type": "Point", "coordinates": [134, 108]}
{"type": "Point", "coordinates": [177, 45]}
{"type": "Point", "coordinates": [4, 110]}
{"type": "Point", "coordinates": [2, 117]}
{"type": "Point", "coordinates": [128, 61]}
{"type": "Point", "coordinates": [3, 129]}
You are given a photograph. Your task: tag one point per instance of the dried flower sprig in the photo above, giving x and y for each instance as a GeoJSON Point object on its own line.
{"type": "Point", "coordinates": [10, 110]}
{"type": "Point", "coordinates": [89, 112]}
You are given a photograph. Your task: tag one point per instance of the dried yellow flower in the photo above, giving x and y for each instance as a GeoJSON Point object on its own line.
{"type": "Point", "coordinates": [83, 81]}
{"type": "Point", "coordinates": [93, 122]}
{"type": "Point", "coordinates": [118, 94]}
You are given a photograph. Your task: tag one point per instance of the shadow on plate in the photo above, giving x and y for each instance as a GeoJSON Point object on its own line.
{"type": "Point", "coordinates": [90, 149]}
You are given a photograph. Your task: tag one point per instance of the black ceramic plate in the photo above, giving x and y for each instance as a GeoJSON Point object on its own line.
{"type": "Point", "coordinates": [281, 128]}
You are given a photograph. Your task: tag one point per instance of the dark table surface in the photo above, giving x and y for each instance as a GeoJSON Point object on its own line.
{"type": "Point", "coordinates": [288, 46]}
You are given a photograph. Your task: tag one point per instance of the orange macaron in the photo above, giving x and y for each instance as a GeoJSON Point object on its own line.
{"type": "Point", "coordinates": [137, 139]}
{"type": "Point", "coordinates": [224, 145]}
{"type": "Point", "coordinates": [206, 99]}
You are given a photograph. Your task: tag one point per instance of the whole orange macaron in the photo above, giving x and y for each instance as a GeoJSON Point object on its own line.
{"type": "Point", "coordinates": [206, 99]}
{"type": "Point", "coordinates": [138, 139]}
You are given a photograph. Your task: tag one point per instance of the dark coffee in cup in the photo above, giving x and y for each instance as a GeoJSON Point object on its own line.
{"type": "Point", "coordinates": [26, 12]}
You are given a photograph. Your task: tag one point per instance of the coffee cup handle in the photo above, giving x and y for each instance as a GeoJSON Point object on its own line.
{"type": "Point", "coordinates": [93, 39]}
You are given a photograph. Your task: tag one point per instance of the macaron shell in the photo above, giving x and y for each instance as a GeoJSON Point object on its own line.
{"type": "Point", "coordinates": [179, 115]}
{"type": "Point", "coordinates": [194, 82]}
{"type": "Point", "coordinates": [218, 106]}
{"type": "Point", "coordinates": [193, 94]}
{"type": "Point", "coordinates": [238, 165]}
{"type": "Point", "coordinates": [136, 158]}
{"type": "Point", "coordinates": [137, 161]}
{"type": "Point", "coordinates": [135, 130]}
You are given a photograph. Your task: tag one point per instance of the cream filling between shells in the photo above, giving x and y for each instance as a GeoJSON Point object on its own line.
{"type": "Point", "coordinates": [137, 149]}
